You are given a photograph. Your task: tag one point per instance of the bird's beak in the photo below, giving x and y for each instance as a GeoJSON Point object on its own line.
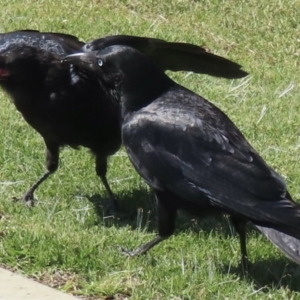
{"type": "Point", "coordinates": [4, 74]}
{"type": "Point", "coordinates": [85, 60]}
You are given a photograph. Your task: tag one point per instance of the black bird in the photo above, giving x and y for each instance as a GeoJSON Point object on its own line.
{"type": "Point", "coordinates": [68, 108]}
{"type": "Point", "coordinates": [191, 153]}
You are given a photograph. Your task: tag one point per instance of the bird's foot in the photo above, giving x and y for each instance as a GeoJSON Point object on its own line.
{"type": "Point", "coordinates": [112, 209]}
{"type": "Point", "coordinates": [27, 199]}
{"type": "Point", "coordinates": [245, 265]}
{"type": "Point", "coordinates": [127, 252]}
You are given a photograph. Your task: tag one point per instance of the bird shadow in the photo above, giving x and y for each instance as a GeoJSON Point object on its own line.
{"type": "Point", "coordinates": [138, 209]}
{"type": "Point", "coordinates": [268, 274]}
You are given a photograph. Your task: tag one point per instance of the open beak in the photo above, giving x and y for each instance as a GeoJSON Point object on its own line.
{"type": "Point", "coordinates": [84, 60]}
{"type": "Point", "coordinates": [4, 74]}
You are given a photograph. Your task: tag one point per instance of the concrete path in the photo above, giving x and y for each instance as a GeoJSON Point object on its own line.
{"type": "Point", "coordinates": [16, 287]}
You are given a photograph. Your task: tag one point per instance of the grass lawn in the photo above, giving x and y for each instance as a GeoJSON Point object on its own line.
{"type": "Point", "coordinates": [66, 242]}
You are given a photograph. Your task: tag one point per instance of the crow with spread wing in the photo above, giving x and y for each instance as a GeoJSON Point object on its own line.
{"type": "Point", "coordinates": [191, 153]}
{"type": "Point", "coordinates": [69, 108]}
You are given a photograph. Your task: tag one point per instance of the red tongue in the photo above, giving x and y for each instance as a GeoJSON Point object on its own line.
{"type": "Point", "coordinates": [3, 73]}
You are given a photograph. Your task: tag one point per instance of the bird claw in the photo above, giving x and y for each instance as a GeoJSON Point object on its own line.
{"type": "Point", "coordinates": [27, 199]}
{"type": "Point", "coordinates": [125, 252]}
{"type": "Point", "coordinates": [112, 209]}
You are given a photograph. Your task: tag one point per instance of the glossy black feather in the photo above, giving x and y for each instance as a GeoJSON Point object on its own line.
{"type": "Point", "coordinates": [289, 245]}
{"type": "Point", "coordinates": [174, 56]}
{"type": "Point", "coordinates": [61, 103]}
{"type": "Point", "coordinates": [193, 150]}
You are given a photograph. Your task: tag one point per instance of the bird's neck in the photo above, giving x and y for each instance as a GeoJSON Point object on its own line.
{"type": "Point", "coordinates": [140, 94]}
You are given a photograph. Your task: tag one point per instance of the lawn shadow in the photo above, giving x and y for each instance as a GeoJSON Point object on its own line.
{"type": "Point", "coordinates": [269, 274]}
{"type": "Point", "coordinates": [136, 209]}
{"type": "Point", "coordinates": [139, 210]}
{"type": "Point", "coordinates": [266, 274]}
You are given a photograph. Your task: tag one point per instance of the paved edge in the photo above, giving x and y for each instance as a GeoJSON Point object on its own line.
{"type": "Point", "coordinates": [16, 287]}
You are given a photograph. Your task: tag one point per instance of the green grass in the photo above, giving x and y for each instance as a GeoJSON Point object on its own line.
{"type": "Point", "coordinates": [64, 240]}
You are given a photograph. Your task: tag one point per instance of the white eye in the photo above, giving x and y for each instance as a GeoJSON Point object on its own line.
{"type": "Point", "coordinates": [100, 62]}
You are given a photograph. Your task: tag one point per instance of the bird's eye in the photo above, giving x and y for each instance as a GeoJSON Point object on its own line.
{"type": "Point", "coordinates": [100, 62]}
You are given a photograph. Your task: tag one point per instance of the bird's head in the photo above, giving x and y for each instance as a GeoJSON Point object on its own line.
{"type": "Point", "coordinates": [25, 55]}
{"type": "Point", "coordinates": [97, 64]}
{"type": "Point", "coordinates": [18, 61]}
{"type": "Point", "coordinates": [20, 72]}
{"type": "Point", "coordinates": [135, 79]}
{"type": "Point", "coordinates": [14, 64]}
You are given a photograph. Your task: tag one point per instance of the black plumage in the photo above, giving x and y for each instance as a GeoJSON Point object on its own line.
{"type": "Point", "coordinates": [174, 56]}
{"type": "Point", "coordinates": [191, 153]}
{"type": "Point", "coordinates": [68, 108]}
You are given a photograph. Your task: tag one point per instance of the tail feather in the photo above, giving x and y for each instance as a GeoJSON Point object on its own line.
{"type": "Point", "coordinates": [287, 244]}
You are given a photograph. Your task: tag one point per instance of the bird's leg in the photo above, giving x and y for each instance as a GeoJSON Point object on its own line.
{"type": "Point", "coordinates": [52, 156]}
{"type": "Point", "coordinates": [144, 248]}
{"type": "Point", "coordinates": [240, 227]}
{"type": "Point", "coordinates": [101, 169]}
{"type": "Point", "coordinates": [166, 225]}
{"type": "Point", "coordinates": [107, 187]}
{"type": "Point", "coordinates": [28, 197]}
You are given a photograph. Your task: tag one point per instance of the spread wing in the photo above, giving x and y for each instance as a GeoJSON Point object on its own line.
{"type": "Point", "coordinates": [174, 56]}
